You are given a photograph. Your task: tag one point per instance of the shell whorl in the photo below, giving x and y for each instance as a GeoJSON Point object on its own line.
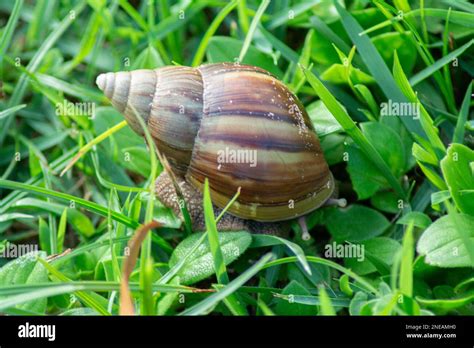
{"type": "Point", "coordinates": [168, 99]}
{"type": "Point", "coordinates": [197, 114]}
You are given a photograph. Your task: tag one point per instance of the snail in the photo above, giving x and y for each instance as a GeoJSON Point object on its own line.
{"type": "Point", "coordinates": [236, 125]}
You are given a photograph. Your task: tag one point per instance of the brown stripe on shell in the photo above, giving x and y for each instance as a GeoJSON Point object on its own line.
{"type": "Point", "coordinates": [258, 132]}
{"type": "Point", "coordinates": [251, 93]}
{"type": "Point", "coordinates": [277, 176]}
{"type": "Point", "coordinates": [140, 98]}
{"type": "Point", "coordinates": [290, 165]}
{"type": "Point", "coordinates": [121, 88]}
{"type": "Point", "coordinates": [176, 113]}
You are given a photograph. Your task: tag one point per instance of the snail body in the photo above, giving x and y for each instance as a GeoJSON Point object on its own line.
{"type": "Point", "coordinates": [236, 125]}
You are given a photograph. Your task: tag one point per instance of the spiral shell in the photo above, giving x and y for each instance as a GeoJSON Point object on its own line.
{"type": "Point", "coordinates": [204, 118]}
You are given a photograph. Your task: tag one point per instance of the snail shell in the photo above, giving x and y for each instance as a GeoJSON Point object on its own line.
{"type": "Point", "coordinates": [202, 119]}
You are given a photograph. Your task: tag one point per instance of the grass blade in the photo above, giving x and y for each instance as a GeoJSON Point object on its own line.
{"type": "Point", "coordinates": [248, 38]}
{"type": "Point", "coordinates": [321, 261]}
{"type": "Point", "coordinates": [91, 206]}
{"type": "Point", "coordinates": [204, 306]}
{"type": "Point", "coordinates": [12, 110]}
{"type": "Point", "coordinates": [33, 65]}
{"type": "Point", "coordinates": [219, 265]}
{"type": "Point", "coordinates": [376, 65]}
{"type": "Point", "coordinates": [423, 74]}
{"type": "Point", "coordinates": [210, 32]}
{"type": "Point", "coordinates": [8, 30]}
{"type": "Point", "coordinates": [325, 303]}
{"type": "Point", "coordinates": [261, 240]}
{"type": "Point", "coordinates": [356, 134]}
{"type": "Point", "coordinates": [462, 118]}
{"type": "Point", "coordinates": [406, 265]}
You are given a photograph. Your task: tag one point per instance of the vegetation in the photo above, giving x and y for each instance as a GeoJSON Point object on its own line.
{"type": "Point", "coordinates": [388, 86]}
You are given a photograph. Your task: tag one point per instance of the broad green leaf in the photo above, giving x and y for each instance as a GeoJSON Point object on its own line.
{"type": "Point", "coordinates": [355, 223]}
{"type": "Point", "coordinates": [387, 43]}
{"type": "Point", "coordinates": [25, 270]}
{"type": "Point", "coordinates": [357, 302]}
{"type": "Point", "coordinates": [210, 302]}
{"type": "Point", "coordinates": [200, 264]}
{"type": "Point", "coordinates": [337, 74]}
{"type": "Point", "coordinates": [149, 58]}
{"type": "Point", "coordinates": [386, 201]}
{"type": "Point", "coordinates": [366, 177]}
{"type": "Point", "coordinates": [288, 306]}
{"type": "Point", "coordinates": [417, 218]}
{"type": "Point", "coordinates": [458, 171]}
{"type": "Point", "coordinates": [381, 248]}
{"type": "Point", "coordinates": [449, 241]}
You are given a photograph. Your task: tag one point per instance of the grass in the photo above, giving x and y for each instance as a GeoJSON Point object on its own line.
{"type": "Point", "coordinates": [79, 185]}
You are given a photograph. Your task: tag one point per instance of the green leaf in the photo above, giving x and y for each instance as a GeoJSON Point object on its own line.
{"type": "Point", "coordinates": [458, 171]}
{"type": "Point", "coordinates": [149, 58]}
{"type": "Point", "coordinates": [212, 28]}
{"type": "Point", "coordinates": [352, 130]}
{"type": "Point", "coordinates": [386, 201]}
{"type": "Point", "coordinates": [376, 65]}
{"type": "Point", "coordinates": [420, 76]}
{"type": "Point", "coordinates": [355, 223]}
{"type": "Point", "coordinates": [25, 270]}
{"type": "Point", "coordinates": [359, 300]}
{"type": "Point", "coordinates": [387, 43]}
{"type": "Point", "coordinates": [344, 285]}
{"type": "Point", "coordinates": [286, 305]}
{"type": "Point", "coordinates": [62, 231]}
{"type": "Point", "coordinates": [406, 263]}
{"type": "Point", "coordinates": [417, 218]}
{"type": "Point", "coordinates": [210, 302]}
{"type": "Point", "coordinates": [11, 110]}
{"type": "Point", "coordinates": [253, 26]}
{"type": "Point", "coordinates": [337, 73]}
{"type": "Point", "coordinates": [200, 264]}
{"type": "Point", "coordinates": [462, 118]}
{"type": "Point", "coordinates": [260, 240]}
{"type": "Point", "coordinates": [449, 241]}
{"type": "Point", "coordinates": [447, 304]}
{"type": "Point", "coordinates": [94, 207]}
{"type": "Point", "coordinates": [326, 305]}
{"type": "Point", "coordinates": [213, 238]}
{"type": "Point", "coordinates": [323, 121]}
{"type": "Point", "coordinates": [78, 221]}
{"type": "Point", "coordinates": [380, 248]}
{"type": "Point", "coordinates": [439, 197]}
{"type": "Point", "coordinates": [424, 118]}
